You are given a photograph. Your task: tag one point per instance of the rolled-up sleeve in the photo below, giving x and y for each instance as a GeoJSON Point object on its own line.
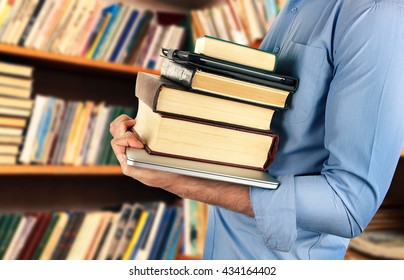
{"type": "Point", "coordinates": [364, 134]}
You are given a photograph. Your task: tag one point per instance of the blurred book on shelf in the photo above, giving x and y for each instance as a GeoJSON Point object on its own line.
{"type": "Point", "coordinates": [119, 32]}
{"type": "Point", "coordinates": [16, 83]}
{"type": "Point", "coordinates": [241, 21]}
{"type": "Point", "coordinates": [154, 230]}
{"type": "Point", "coordinates": [70, 132]}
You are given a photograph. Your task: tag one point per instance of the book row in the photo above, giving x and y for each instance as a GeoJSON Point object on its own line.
{"type": "Point", "coordinates": [148, 230]}
{"type": "Point", "coordinates": [70, 132]}
{"type": "Point", "coordinates": [15, 107]}
{"type": "Point", "coordinates": [95, 29]}
{"type": "Point", "coordinates": [240, 21]}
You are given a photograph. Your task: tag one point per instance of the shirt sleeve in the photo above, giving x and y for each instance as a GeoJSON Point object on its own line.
{"type": "Point", "coordinates": [364, 133]}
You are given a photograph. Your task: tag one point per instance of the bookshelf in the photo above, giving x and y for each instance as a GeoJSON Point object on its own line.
{"type": "Point", "coordinates": [72, 61]}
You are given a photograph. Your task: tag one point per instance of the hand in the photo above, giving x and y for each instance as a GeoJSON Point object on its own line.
{"type": "Point", "coordinates": [124, 137]}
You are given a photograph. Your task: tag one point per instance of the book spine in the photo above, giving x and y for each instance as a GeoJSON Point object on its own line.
{"type": "Point", "coordinates": [177, 73]}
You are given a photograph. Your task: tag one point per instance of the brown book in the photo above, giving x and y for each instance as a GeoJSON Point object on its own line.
{"type": "Point", "coordinates": [167, 97]}
{"type": "Point", "coordinates": [201, 141]}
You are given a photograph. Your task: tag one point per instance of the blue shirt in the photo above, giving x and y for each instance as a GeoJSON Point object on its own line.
{"type": "Point", "coordinates": [340, 139]}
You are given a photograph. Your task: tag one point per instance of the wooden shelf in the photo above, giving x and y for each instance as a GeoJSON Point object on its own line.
{"type": "Point", "coordinates": [59, 170]}
{"type": "Point", "coordinates": [107, 67]}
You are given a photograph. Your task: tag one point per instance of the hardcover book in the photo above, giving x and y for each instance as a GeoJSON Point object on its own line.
{"type": "Point", "coordinates": [167, 97]}
{"type": "Point", "coordinates": [191, 139]}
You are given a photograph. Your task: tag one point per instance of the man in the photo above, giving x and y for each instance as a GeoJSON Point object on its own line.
{"type": "Point", "coordinates": [340, 139]}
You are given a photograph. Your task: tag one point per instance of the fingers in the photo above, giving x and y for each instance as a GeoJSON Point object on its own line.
{"type": "Point", "coordinates": [120, 125]}
{"type": "Point", "coordinates": [120, 143]}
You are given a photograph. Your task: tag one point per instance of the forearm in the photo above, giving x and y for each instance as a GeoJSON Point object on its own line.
{"type": "Point", "coordinates": [226, 195]}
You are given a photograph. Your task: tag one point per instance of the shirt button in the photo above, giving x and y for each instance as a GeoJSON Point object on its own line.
{"type": "Point", "coordinates": [276, 50]}
{"type": "Point", "coordinates": [294, 10]}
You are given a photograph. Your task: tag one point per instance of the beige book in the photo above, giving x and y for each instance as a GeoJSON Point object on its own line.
{"type": "Point", "coordinates": [78, 25]}
{"type": "Point", "coordinates": [55, 236]}
{"type": "Point", "coordinates": [57, 33]}
{"type": "Point", "coordinates": [106, 218]}
{"type": "Point", "coordinates": [99, 129]}
{"type": "Point", "coordinates": [235, 53]}
{"type": "Point", "coordinates": [7, 111]}
{"type": "Point", "coordinates": [69, 31]}
{"type": "Point", "coordinates": [24, 21]}
{"type": "Point", "coordinates": [10, 131]}
{"type": "Point", "coordinates": [85, 236]}
{"type": "Point", "coordinates": [16, 69]}
{"type": "Point", "coordinates": [13, 122]}
{"type": "Point", "coordinates": [184, 138]}
{"type": "Point", "coordinates": [7, 149]}
{"type": "Point", "coordinates": [10, 139]}
{"type": "Point", "coordinates": [39, 108]}
{"type": "Point", "coordinates": [68, 154]}
{"type": "Point", "coordinates": [15, 18]}
{"type": "Point", "coordinates": [109, 239]}
{"type": "Point", "coordinates": [15, 92]}
{"type": "Point", "coordinates": [63, 31]}
{"type": "Point", "coordinates": [38, 24]}
{"type": "Point", "coordinates": [8, 159]}
{"type": "Point", "coordinates": [15, 82]}
{"type": "Point", "coordinates": [50, 24]}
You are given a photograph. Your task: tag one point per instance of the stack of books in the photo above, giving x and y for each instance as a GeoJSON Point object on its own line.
{"type": "Point", "coordinates": [199, 115]}
{"type": "Point", "coordinates": [70, 132]}
{"type": "Point", "coordinates": [149, 230]}
{"type": "Point", "coordinates": [96, 29]}
{"type": "Point", "coordinates": [15, 107]}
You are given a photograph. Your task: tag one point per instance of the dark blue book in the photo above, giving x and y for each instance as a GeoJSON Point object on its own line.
{"type": "Point", "coordinates": [175, 228]}
{"type": "Point", "coordinates": [124, 35]}
{"type": "Point", "coordinates": [162, 232]}
{"type": "Point", "coordinates": [168, 232]}
{"type": "Point", "coordinates": [113, 11]}
{"type": "Point", "coordinates": [140, 31]}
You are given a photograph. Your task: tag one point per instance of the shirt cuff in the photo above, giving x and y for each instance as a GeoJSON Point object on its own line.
{"type": "Point", "coordinates": [275, 214]}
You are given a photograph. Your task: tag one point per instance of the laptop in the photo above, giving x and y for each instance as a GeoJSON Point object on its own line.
{"type": "Point", "coordinates": [140, 158]}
